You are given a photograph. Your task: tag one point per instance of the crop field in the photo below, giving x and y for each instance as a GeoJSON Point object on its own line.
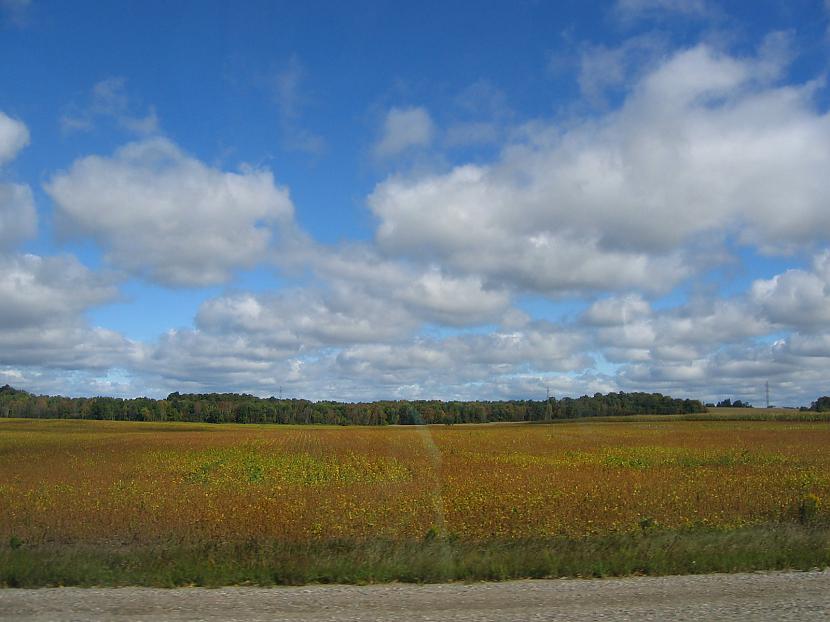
{"type": "Point", "coordinates": [134, 485]}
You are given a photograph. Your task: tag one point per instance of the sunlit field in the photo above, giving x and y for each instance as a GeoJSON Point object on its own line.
{"type": "Point", "coordinates": [128, 483]}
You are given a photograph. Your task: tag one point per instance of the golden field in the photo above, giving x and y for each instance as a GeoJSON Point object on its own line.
{"type": "Point", "coordinates": [118, 482]}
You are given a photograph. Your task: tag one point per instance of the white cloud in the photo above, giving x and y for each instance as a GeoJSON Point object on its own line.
{"type": "Point", "coordinates": [307, 319]}
{"type": "Point", "coordinates": [41, 318]}
{"type": "Point", "coordinates": [38, 290]}
{"type": "Point", "coordinates": [703, 146]}
{"type": "Point", "coordinates": [109, 99]}
{"type": "Point", "coordinates": [628, 329]}
{"type": "Point", "coordinates": [617, 311]}
{"type": "Point", "coordinates": [44, 298]}
{"type": "Point", "coordinates": [291, 99]}
{"type": "Point", "coordinates": [226, 352]}
{"type": "Point", "coordinates": [462, 364]}
{"type": "Point", "coordinates": [360, 306]}
{"type": "Point", "coordinates": [638, 9]}
{"type": "Point", "coordinates": [195, 359]}
{"type": "Point", "coordinates": [603, 68]}
{"type": "Point", "coordinates": [797, 298]}
{"type": "Point", "coordinates": [476, 222]}
{"type": "Point", "coordinates": [164, 215]}
{"type": "Point", "coordinates": [68, 346]}
{"type": "Point", "coordinates": [712, 348]}
{"type": "Point", "coordinates": [425, 292]}
{"type": "Point", "coordinates": [404, 128]}
{"type": "Point", "coordinates": [796, 376]}
{"type": "Point", "coordinates": [14, 136]}
{"type": "Point", "coordinates": [18, 218]}
{"type": "Point", "coordinates": [342, 344]}
{"type": "Point", "coordinates": [807, 345]}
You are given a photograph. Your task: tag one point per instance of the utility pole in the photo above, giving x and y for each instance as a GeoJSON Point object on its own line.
{"type": "Point", "coordinates": [767, 390]}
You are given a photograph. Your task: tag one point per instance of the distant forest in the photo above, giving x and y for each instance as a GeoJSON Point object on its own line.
{"type": "Point", "coordinates": [236, 408]}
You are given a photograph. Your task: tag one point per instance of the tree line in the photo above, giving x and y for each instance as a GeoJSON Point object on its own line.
{"type": "Point", "coordinates": [243, 408]}
{"type": "Point", "coordinates": [728, 403]}
{"type": "Point", "coordinates": [822, 404]}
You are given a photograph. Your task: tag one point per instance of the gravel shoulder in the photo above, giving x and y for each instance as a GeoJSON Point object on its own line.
{"type": "Point", "coordinates": [802, 596]}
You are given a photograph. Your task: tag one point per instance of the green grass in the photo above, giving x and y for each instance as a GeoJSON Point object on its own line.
{"type": "Point", "coordinates": [652, 552]}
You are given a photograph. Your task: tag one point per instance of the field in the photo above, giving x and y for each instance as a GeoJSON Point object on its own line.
{"type": "Point", "coordinates": [93, 502]}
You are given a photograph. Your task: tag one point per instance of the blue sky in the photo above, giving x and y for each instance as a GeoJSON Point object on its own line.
{"type": "Point", "coordinates": [449, 200]}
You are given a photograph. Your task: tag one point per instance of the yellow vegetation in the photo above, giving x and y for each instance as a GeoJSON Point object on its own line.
{"type": "Point", "coordinates": [84, 481]}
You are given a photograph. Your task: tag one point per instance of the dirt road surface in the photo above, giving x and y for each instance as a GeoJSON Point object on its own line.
{"type": "Point", "coordinates": [779, 596]}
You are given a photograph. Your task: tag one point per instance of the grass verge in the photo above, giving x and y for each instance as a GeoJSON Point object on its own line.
{"type": "Point", "coordinates": [764, 547]}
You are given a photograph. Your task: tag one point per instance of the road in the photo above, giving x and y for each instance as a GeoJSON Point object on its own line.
{"type": "Point", "coordinates": [778, 596]}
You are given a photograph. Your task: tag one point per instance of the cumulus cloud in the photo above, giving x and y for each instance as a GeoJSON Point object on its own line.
{"type": "Point", "coordinates": [617, 311]}
{"type": "Point", "coordinates": [331, 346]}
{"type": "Point", "coordinates": [797, 298]}
{"type": "Point", "coordinates": [478, 224]}
{"type": "Point", "coordinates": [795, 377]}
{"type": "Point", "coordinates": [318, 346]}
{"type": "Point", "coordinates": [806, 345]}
{"type": "Point", "coordinates": [41, 318]}
{"type": "Point", "coordinates": [14, 136]}
{"type": "Point", "coordinates": [628, 329]}
{"type": "Point", "coordinates": [603, 68]}
{"type": "Point", "coordinates": [425, 292]}
{"type": "Point", "coordinates": [462, 360]}
{"type": "Point", "coordinates": [357, 303]}
{"type": "Point", "coordinates": [68, 346]}
{"type": "Point", "coordinates": [37, 290]}
{"type": "Point", "coordinates": [703, 144]}
{"type": "Point", "coordinates": [241, 344]}
{"type": "Point", "coordinates": [467, 364]}
{"type": "Point", "coordinates": [307, 319]}
{"type": "Point", "coordinates": [610, 209]}
{"type": "Point", "coordinates": [187, 359]}
{"type": "Point", "coordinates": [164, 215]}
{"type": "Point", "coordinates": [404, 128]}
{"type": "Point", "coordinates": [18, 218]}
{"type": "Point", "coordinates": [713, 348]}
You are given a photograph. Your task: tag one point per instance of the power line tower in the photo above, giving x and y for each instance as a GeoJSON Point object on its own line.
{"type": "Point", "coordinates": [766, 387]}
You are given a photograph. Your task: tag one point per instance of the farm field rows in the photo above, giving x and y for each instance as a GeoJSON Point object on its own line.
{"type": "Point", "coordinates": [88, 481]}
{"type": "Point", "coordinates": [71, 483]}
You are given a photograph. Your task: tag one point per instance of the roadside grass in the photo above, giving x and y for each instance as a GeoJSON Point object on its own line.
{"type": "Point", "coordinates": [433, 559]}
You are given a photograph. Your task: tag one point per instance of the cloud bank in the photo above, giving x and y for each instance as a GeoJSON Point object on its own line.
{"type": "Point", "coordinates": [620, 215]}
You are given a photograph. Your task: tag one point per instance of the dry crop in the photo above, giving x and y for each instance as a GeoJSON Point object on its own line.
{"type": "Point", "coordinates": [123, 483]}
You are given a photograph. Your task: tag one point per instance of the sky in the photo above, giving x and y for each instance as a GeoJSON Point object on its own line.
{"type": "Point", "coordinates": [433, 200]}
